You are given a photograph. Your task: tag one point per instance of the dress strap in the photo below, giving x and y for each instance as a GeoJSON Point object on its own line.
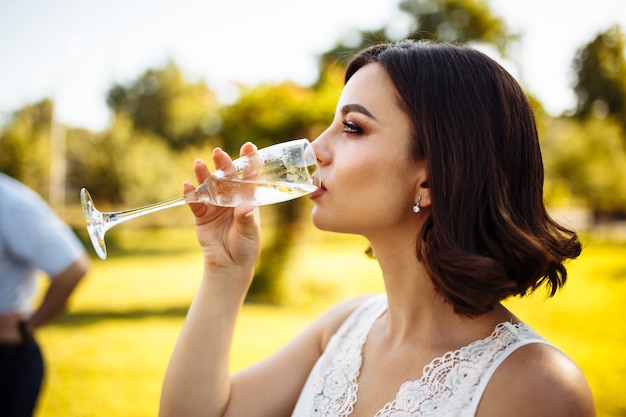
{"type": "Point", "coordinates": [519, 335]}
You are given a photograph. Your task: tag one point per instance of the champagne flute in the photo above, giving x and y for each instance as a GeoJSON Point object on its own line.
{"type": "Point", "coordinates": [274, 174]}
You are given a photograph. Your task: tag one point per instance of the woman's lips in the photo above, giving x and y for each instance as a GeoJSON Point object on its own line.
{"type": "Point", "coordinates": [318, 192]}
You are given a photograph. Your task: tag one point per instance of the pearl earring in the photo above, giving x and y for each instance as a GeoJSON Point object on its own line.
{"type": "Point", "coordinates": [417, 207]}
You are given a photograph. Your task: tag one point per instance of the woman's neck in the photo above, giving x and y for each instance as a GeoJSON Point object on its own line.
{"type": "Point", "coordinates": [418, 312]}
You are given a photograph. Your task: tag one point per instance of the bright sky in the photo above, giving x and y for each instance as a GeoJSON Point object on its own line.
{"type": "Point", "coordinates": [74, 50]}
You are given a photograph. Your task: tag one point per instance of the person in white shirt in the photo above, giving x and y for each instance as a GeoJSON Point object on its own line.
{"type": "Point", "coordinates": [32, 239]}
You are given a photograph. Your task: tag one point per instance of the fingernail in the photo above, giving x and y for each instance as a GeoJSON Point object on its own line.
{"type": "Point", "coordinates": [249, 214]}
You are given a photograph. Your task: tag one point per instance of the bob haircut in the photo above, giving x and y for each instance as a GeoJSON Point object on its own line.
{"type": "Point", "coordinates": [488, 235]}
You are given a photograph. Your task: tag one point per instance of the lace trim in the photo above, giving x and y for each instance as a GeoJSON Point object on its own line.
{"type": "Point", "coordinates": [336, 391]}
{"type": "Point", "coordinates": [448, 383]}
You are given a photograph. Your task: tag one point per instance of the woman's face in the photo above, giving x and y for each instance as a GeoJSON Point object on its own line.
{"type": "Point", "coordinates": [369, 181]}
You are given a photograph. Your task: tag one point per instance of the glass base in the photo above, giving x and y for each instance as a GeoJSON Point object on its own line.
{"type": "Point", "coordinates": [95, 224]}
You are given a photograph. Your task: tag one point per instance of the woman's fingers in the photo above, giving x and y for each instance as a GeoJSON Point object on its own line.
{"type": "Point", "coordinates": [252, 167]}
{"type": "Point", "coordinates": [250, 164]}
{"type": "Point", "coordinates": [248, 149]}
{"type": "Point", "coordinates": [198, 209]}
{"type": "Point", "coordinates": [223, 162]}
{"type": "Point", "coordinates": [201, 170]}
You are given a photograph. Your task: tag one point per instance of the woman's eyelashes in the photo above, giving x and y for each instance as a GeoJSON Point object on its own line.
{"type": "Point", "coordinates": [350, 127]}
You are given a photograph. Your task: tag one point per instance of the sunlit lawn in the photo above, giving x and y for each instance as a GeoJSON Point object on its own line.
{"type": "Point", "coordinates": [109, 355]}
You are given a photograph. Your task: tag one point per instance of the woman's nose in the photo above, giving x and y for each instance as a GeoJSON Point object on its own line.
{"type": "Point", "coordinates": [321, 150]}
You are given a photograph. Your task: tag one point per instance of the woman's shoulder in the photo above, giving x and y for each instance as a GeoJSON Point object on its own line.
{"type": "Point", "coordinates": [539, 380]}
{"type": "Point", "coordinates": [332, 319]}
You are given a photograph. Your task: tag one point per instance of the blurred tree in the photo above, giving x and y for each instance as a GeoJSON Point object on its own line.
{"type": "Point", "coordinates": [587, 159]}
{"type": "Point", "coordinates": [462, 21]}
{"type": "Point", "coordinates": [121, 165]}
{"type": "Point", "coordinates": [601, 77]}
{"type": "Point", "coordinates": [585, 152]}
{"type": "Point", "coordinates": [266, 114]}
{"type": "Point", "coordinates": [163, 103]}
{"type": "Point", "coordinates": [25, 145]}
{"type": "Point", "coordinates": [80, 151]}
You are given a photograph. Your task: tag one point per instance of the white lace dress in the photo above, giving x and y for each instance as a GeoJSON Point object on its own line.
{"type": "Point", "coordinates": [450, 386]}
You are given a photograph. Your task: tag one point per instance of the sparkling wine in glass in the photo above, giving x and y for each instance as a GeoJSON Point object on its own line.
{"type": "Point", "coordinates": [271, 175]}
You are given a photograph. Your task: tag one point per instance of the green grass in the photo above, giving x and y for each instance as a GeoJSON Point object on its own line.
{"type": "Point", "coordinates": [107, 357]}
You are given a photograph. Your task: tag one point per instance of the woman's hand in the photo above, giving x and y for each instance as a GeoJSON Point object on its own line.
{"type": "Point", "coordinates": [228, 237]}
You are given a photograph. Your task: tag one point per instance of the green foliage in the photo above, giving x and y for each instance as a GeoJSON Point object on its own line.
{"type": "Point", "coordinates": [589, 156]}
{"type": "Point", "coordinates": [601, 77]}
{"type": "Point", "coordinates": [81, 156]}
{"type": "Point", "coordinates": [122, 165]}
{"type": "Point", "coordinates": [327, 91]}
{"type": "Point", "coordinates": [585, 154]}
{"type": "Point", "coordinates": [25, 145]}
{"type": "Point", "coordinates": [163, 103]}
{"type": "Point", "coordinates": [267, 114]}
{"type": "Point", "coordinates": [462, 21]}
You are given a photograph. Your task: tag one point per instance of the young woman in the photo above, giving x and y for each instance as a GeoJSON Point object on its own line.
{"type": "Point", "coordinates": [432, 156]}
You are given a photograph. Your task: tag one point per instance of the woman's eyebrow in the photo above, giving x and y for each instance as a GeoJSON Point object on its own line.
{"type": "Point", "coordinates": [356, 108]}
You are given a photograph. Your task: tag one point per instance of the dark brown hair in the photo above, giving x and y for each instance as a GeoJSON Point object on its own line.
{"type": "Point", "coordinates": [488, 235]}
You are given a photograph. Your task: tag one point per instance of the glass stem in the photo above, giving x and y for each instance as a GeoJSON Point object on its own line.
{"type": "Point", "coordinates": [114, 218]}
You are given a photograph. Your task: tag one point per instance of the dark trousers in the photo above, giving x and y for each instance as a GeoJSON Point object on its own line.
{"type": "Point", "coordinates": [21, 374]}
